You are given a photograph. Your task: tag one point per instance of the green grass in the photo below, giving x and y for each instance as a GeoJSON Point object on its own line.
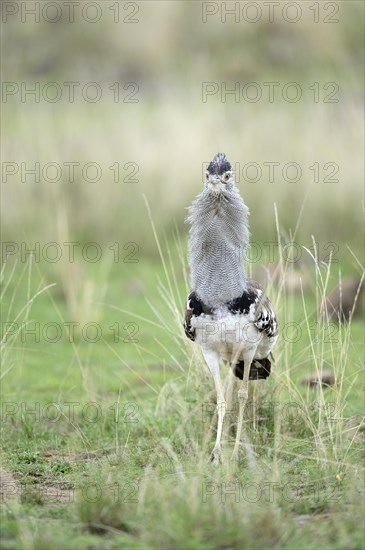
{"type": "Point", "coordinates": [131, 470]}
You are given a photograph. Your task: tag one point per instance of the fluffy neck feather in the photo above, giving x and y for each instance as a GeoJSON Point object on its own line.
{"type": "Point", "coordinates": [218, 240]}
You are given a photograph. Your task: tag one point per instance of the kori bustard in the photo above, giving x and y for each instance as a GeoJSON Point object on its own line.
{"type": "Point", "coordinates": [227, 315]}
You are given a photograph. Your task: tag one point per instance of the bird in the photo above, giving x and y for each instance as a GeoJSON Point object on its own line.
{"type": "Point", "coordinates": [227, 314]}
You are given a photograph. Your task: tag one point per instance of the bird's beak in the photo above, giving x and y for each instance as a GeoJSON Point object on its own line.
{"type": "Point", "coordinates": [215, 184]}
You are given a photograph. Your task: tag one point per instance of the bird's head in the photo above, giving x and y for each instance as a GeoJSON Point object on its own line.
{"type": "Point", "coordinates": [219, 176]}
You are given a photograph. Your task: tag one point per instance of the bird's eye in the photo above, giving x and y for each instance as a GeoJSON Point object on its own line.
{"type": "Point", "coordinates": [207, 175]}
{"type": "Point", "coordinates": [227, 176]}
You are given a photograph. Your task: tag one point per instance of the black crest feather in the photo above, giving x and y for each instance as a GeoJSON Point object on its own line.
{"type": "Point", "coordinates": [219, 164]}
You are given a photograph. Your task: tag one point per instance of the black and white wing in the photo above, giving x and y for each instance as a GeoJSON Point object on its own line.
{"type": "Point", "coordinates": [265, 318]}
{"type": "Point", "coordinates": [193, 308]}
{"type": "Point", "coordinates": [255, 301]}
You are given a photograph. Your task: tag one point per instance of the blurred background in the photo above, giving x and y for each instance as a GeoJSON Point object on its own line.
{"type": "Point", "coordinates": [150, 61]}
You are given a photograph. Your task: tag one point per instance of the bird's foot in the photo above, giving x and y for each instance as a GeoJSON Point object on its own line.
{"type": "Point", "coordinates": [235, 455]}
{"type": "Point", "coordinates": [216, 457]}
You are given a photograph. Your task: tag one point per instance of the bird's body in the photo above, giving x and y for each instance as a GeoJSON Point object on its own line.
{"type": "Point", "coordinates": [227, 315]}
{"type": "Point", "coordinates": [222, 329]}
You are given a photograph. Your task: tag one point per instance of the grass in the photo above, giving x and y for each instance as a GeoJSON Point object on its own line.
{"type": "Point", "coordinates": [108, 442]}
{"type": "Point", "coordinates": [82, 211]}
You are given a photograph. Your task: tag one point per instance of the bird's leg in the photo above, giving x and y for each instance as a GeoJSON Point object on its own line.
{"type": "Point", "coordinates": [256, 402]}
{"type": "Point", "coordinates": [212, 360]}
{"type": "Point", "coordinates": [242, 400]}
{"type": "Point", "coordinates": [229, 394]}
{"type": "Point", "coordinates": [221, 410]}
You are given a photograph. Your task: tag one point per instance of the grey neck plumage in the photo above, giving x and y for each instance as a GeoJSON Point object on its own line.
{"type": "Point", "coordinates": [219, 237]}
